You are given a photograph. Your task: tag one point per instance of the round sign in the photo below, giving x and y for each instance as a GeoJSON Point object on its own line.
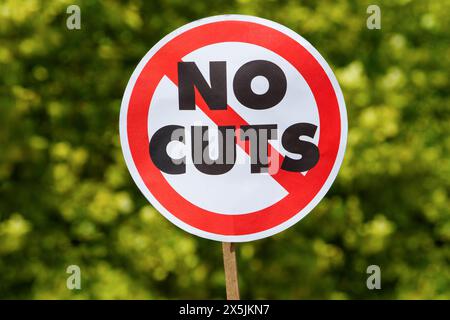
{"type": "Point", "coordinates": [233, 127]}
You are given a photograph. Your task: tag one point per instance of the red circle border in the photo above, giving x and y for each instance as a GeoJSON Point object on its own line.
{"type": "Point", "coordinates": [304, 188]}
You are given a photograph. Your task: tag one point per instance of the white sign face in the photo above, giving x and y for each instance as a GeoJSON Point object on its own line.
{"type": "Point", "coordinates": [233, 127]}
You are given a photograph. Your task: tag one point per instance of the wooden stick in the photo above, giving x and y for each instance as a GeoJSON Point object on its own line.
{"type": "Point", "coordinates": [231, 274]}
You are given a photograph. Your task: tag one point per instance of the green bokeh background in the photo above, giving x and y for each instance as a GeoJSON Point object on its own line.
{"type": "Point", "coordinates": [67, 198]}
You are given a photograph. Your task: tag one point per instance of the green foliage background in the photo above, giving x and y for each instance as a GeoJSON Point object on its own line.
{"type": "Point", "coordinates": [66, 196]}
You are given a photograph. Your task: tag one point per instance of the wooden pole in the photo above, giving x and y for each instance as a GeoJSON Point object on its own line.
{"type": "Point", "coordinates": [231, 274]}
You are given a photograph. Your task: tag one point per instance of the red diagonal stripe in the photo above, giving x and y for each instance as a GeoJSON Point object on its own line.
{"type": "Point", "coordinates": [229, 117]}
